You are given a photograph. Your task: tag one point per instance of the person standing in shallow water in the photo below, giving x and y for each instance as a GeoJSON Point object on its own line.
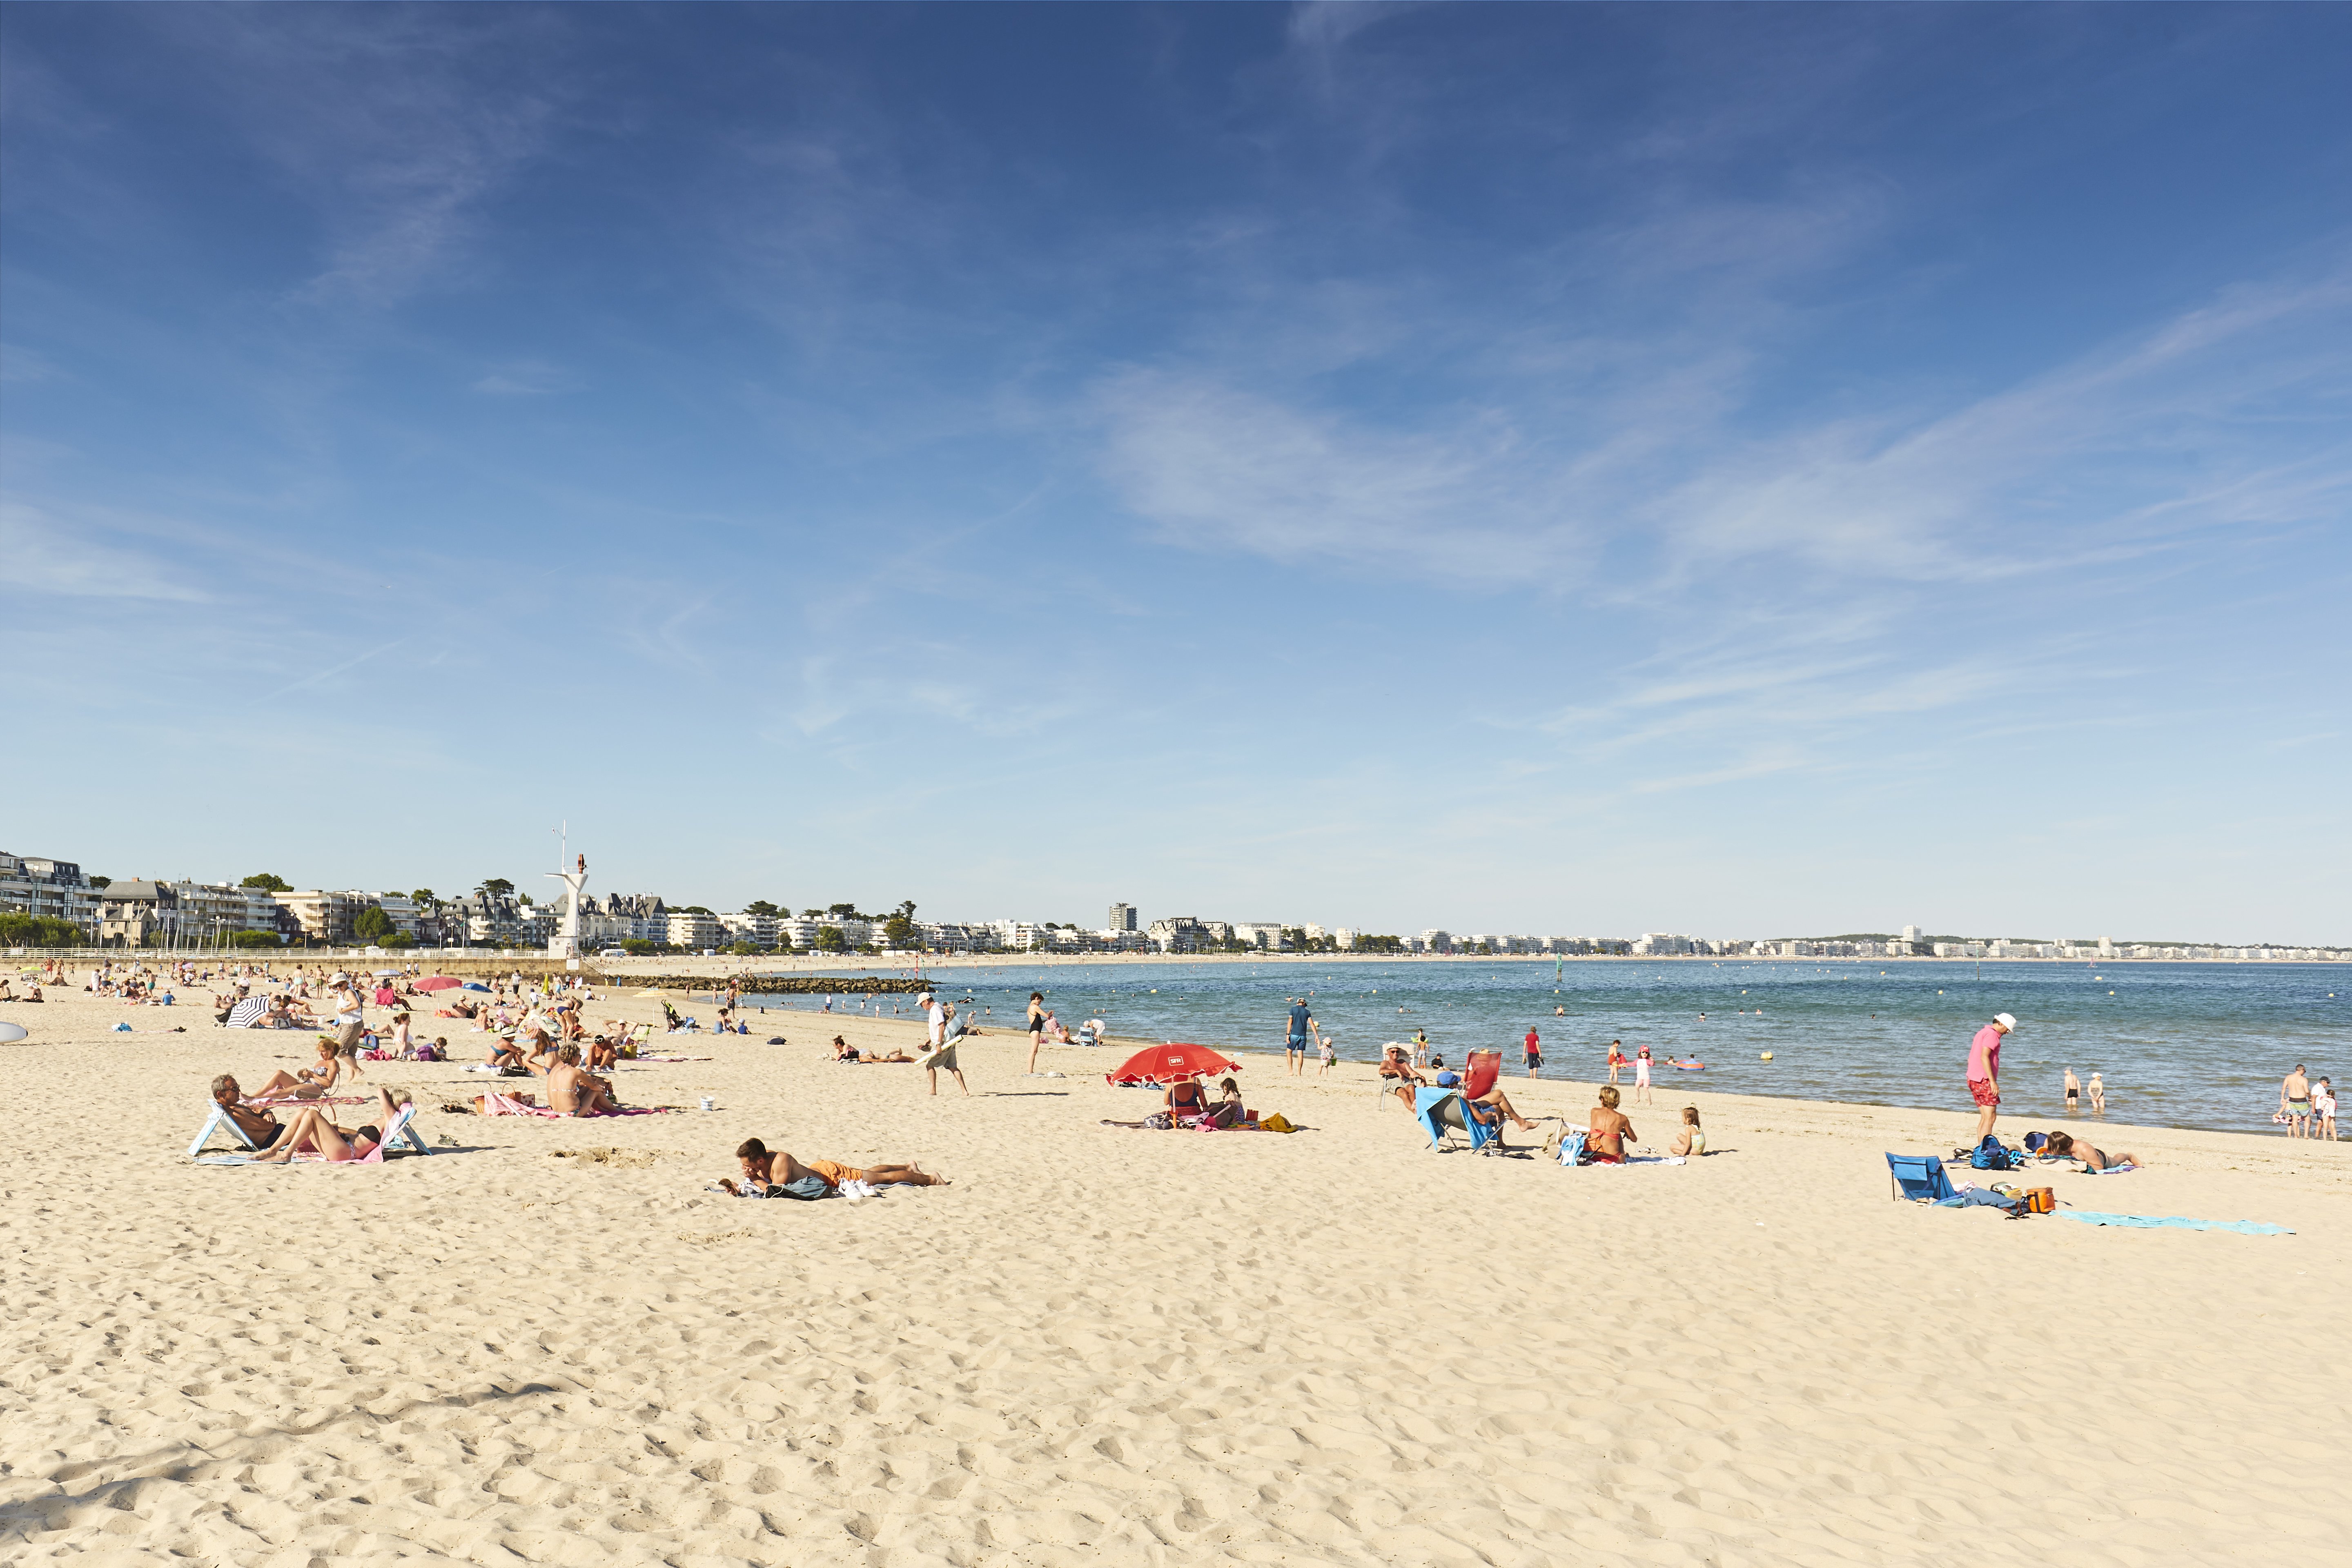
{"type": "Point", "coordinates": [2074, 1093]}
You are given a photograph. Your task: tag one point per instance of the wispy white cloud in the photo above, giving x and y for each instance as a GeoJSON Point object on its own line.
{"type": "Point", "coordinates": [2212, 418]}
{"type": "Point", "coordinates": [44, 553]}
{"type": "Point", "coordinates": [527, 378]}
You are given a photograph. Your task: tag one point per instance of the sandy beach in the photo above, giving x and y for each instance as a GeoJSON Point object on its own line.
{"type": "Point", "coordinates": [548, 1344]}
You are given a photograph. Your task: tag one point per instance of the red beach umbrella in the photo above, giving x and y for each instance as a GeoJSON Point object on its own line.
{"type": "Point", "coordinates": [1168, 1063]}
{"type": "Point", "coordinates": [438, 983]}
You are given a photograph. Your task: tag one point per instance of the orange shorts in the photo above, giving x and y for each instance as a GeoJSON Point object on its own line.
{"type": "Point", "coordinates": [834, 1174]}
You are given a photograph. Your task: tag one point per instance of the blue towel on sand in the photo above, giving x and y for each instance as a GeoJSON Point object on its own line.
{"type": "Point", "coordinates": [2144, 1222]}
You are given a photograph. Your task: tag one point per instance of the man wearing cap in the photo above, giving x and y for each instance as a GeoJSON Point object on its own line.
{"type": "Point", "coordinates": [1984, 1072]}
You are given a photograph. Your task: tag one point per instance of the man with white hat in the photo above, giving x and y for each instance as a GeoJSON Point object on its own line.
{"type": "Point", "coordinates": [1984, 1072]}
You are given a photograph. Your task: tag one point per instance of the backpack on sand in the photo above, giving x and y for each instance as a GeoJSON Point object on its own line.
{"type": "Point", "coordinates": [1989, 1155]}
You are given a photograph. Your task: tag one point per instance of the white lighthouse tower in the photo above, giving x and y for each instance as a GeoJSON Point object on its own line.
{"type": "Point", "coordinates": [566, 942]}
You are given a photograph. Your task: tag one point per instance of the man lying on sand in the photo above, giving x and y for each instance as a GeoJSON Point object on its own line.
{"type": "Point", "coordinates": [778, 1172]}
{"type": "Point", "coordinates": [2065, 1146]}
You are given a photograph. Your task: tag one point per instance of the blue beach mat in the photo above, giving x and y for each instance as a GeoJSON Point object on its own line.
{"type": "Point", "coordinates": [2145, 1222]}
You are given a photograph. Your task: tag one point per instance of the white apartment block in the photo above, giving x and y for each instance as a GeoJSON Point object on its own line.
{"type": "Point", "coordinates": [686, 930]}
{"type": "Point", "coordinates": [742, 927]}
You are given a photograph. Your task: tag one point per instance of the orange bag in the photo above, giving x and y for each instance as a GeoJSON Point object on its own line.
{"type": "Point", "coordinates": [2040, 1200]}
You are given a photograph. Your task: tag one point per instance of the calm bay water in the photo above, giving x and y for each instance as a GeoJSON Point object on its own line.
{"type": "Point", "coordinates": [2179, 1045]}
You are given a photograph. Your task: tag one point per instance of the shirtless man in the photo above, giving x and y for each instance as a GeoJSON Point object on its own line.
{"type": "Point", "coordinates": [2066, 1145]}
{"type": "Point", "coordinates": [2295, 1098]}
{"type": "Point", "coordinates": [259, 1126]}
{"type": "Point", "coordinates": [1607, 1129]}
{"type": "Point", "coordinates": [574, 1092]}
{"type": "Point", "coordinates": [2074, 1093]}
{"type": "Point", "coordinates": [1394, 1068]}
{"type": "Point", "coordinates": [764, 1168]}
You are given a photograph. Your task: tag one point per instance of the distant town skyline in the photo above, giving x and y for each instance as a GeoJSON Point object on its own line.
{"type": "Point", "coordinates": [501, 912]}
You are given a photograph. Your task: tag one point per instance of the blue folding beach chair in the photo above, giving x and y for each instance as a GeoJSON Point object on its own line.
{"type": "Point", "coordinates": [1441, 1114]}
{"type": "Point", "coordinates": [1920, 1176]}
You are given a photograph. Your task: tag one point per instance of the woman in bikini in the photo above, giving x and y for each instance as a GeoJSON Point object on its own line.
{"type": "Point", "coordinates": [1607, 1129]}
{"type": "Point", "coordinates": [313, 1131]}
{"type": "Point", "coordinates": [311, 1082]}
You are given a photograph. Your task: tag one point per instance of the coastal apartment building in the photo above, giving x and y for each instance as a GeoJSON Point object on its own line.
{"type": "Point", "coordinates": [51, 890]}
{"type": "Point", "coordinates": [687, 928]}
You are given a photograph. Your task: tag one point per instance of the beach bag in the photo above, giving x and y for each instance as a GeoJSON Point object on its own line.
{"type": "Point", "coordinates": [1989, 1155]}
{"type": "Point", "coordinates": [2040, 1200]}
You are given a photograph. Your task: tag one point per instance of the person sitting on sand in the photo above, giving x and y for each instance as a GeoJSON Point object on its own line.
{"type": "Point", "coordinates": [765, 1169]}
{"type": "Point", "coordinates": [577, 1093]}
{"type": "Point", "coordinates": [602, 1054]}
{"type": "Point", "coordinates": [1187, 1099]}
{"type": "Point", "coordinates": [2066, 1146]}
{"type": "Point", "coordinates": [313, 1131]}
{"type": "Point", "coordinates": [1226, 1109]}
{"type": "Point", "coordinates": [308, 1083]}
{"type": "Point", "coordinates": [842, 1051]}
{"type": "Point", "coordinates": [1608, 1131]}
{"type": "Point", "coordinates": [1690, 1138]}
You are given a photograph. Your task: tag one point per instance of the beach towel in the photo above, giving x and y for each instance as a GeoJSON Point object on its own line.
{"type": "Point", "coordinates": [497, 1104]}
{"type": "Point", "coordinates": [2173, 1222]}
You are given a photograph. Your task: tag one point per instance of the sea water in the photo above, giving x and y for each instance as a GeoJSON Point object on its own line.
{"type": "Point", "coordinates": [2178, 1044]}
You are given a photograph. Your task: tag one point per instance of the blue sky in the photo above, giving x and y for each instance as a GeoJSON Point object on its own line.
{"type": "Point", "coordinates": [1564, 470]}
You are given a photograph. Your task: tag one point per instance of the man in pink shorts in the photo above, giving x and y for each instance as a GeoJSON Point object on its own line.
{"type": "Point", "coordinates": [1984, 1072]}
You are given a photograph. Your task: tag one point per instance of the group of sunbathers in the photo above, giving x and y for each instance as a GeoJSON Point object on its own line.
{"type": "Point", "coordinates": [570, 1089]}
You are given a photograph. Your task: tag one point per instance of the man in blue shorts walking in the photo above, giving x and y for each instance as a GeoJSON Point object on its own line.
{"type": "Point", "coordinates": [1302, 1027]}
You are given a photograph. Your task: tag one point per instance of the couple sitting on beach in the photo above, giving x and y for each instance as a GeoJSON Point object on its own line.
{"type": "Point", "coordinates": [1490, 1107]}
{"type": "Point", "coordinates": [1189, 1104]}
{"type": "Point", "coordinates": [312, 1131]}
{"type": "Point", "coordinates": [776, 1174]}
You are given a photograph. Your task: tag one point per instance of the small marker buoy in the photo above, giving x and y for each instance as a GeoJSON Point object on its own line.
{"type": "Point", "coordinates": [1763, 1055]}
